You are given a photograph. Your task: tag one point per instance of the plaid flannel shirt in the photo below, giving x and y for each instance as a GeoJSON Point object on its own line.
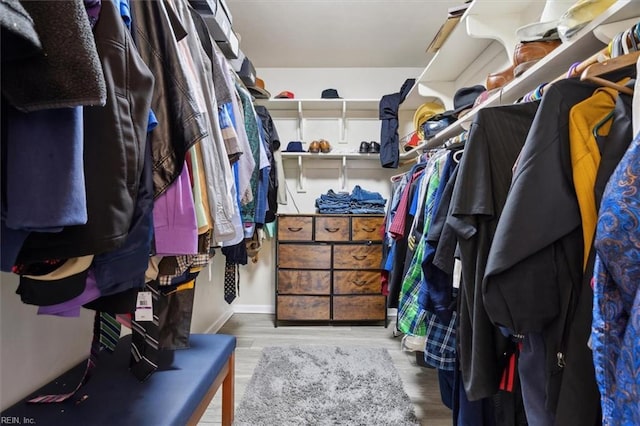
{"type": "Point", "coordinates": [440, 347]}
{"type": "Point", "coordinates": [410, 314]}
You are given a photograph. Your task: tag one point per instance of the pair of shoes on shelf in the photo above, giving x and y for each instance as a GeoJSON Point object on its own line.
{"type": "Point", "coordinates": [526, 55]}
{"type": "Point", "coordinates": [372, 147]}
{"type": "Point", "coordinates": [320, 146]}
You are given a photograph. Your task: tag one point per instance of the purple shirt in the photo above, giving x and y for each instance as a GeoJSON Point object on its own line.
{"type": "Point", "coordinates": [93, 10]}
{"type": "Point", "coordinates": [174, 219]}
{"type": "Point", "coordinates": [71, 308]}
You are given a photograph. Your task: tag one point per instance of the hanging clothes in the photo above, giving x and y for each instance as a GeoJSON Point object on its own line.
{"type": "Point", "coordinates": [399, 224]}
{"type": "Point", "coordinates": [389, 139]}
{"type": "Point", "coordinates": [495, 139]}
{"type": "Point", "coordinates": [276, 183]}
{"type": "Point", "coordinates": [616, 304]}
{"type": "Point", "coordinates": [410, 316]}
{"type": "Point", "coordinates": [63, 68]}
{"type": "Point", "coordinates": [181, 122]}
{"type": "Point", "coordinates": [518, 273]}
{"type": "Point", "coordinates": [436, 293]}
{"type": "Point", "coordinates": [198, 71]}
{"type": "Point", "coordinates": [264, 170]}
{"type": "Point", "coordinates": [585, 155]}
{"type": "Point", "coordinates": [114, 140]}
{"type": "Point", "coordinates": [437, 296]}
{"type": "Point", "coordinates": [248, 198]}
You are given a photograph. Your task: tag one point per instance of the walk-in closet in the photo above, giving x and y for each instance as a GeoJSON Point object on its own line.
{"type": "Point", "coordinates": [311, 212]}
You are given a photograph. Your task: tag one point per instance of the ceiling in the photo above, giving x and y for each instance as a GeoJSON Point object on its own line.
{"type": "Point", "coordinates": [337, 33]}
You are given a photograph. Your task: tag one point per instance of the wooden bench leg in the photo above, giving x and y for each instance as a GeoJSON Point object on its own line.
{"type": "Point", "coordinates": [226, 378]}
{"type": "Point", "coordinates": [228, 390]}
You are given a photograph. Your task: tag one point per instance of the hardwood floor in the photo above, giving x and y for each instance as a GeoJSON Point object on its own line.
{"type": "Point", "coordinates": [255, 331]}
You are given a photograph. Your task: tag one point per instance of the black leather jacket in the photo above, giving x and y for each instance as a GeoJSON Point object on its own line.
{"type": "Point", "coordinates": [181, 124]}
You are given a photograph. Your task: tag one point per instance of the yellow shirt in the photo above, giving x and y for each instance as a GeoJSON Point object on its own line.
{"type": "Point", "coordinates": [199, 189]}
{"type": "Point", "coordinates": [585, 155]}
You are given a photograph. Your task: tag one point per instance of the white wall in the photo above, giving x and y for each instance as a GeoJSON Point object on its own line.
{"type": "Point", "coordinates": [351, 83]}
{"type": "Point", "coordinates": [35, 349]}
{"type": "Point", "coordinates": [210, 311]}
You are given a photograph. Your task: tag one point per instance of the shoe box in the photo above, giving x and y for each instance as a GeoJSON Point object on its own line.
{"type": "Point", "coordinates": [218, 18]}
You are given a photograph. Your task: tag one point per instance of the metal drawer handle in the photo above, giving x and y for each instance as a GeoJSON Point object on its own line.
{"type": "Point", "coordinates": [368, 229]}
{"type": "Point", "coordinates": [359, 257]}
{"type": "Point", "coordinates": [359, 283]}
{"type": "Point", "coordinates": [331, 229]}
{"type": "Point", "coordinates": [295, 229]}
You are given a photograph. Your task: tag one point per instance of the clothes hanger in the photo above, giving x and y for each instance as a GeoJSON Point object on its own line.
{"type": "Point", "coordinates": [577, 68]}
{"type": "Point", "coordinates": [457, 156]}
{"type": "Point", "coordinates": [397, 177]}
{"type": "Point", "coordinates": [602, 122]}
{"type": "Point", "coordinates": [594, 71]}
{"type": "Point", "coordinates": [418, 164]}
{"type": "Point", "coordinates": [603, 55]}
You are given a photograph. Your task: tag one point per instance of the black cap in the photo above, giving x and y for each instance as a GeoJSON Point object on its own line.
{"type": "Point", "coordinates": [464, 98]}
{"type": "Point", "coordinates": [44, 293]}
{"type": "Point", "coordinates": [47, 283]}
{"type": "Point", "coordinates": [330, 94]}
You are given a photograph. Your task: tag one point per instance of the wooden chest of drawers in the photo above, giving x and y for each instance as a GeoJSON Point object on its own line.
{"type": "Point", "coordinates": [328, 268]}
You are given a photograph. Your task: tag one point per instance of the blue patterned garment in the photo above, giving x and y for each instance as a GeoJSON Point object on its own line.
{"type": "Point", "coordinates": [440, 346]}
{"type": "Point", "coordinates": [615, 333]}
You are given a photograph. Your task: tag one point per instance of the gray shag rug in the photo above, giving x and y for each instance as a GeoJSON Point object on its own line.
{"type": "Point", "coordinates": [325, 385]}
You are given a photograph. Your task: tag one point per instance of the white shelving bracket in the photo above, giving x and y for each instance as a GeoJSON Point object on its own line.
{"type": "Point", "coordinates": [440, 90]}
{"type": "Point", "coordinates": [343, 174]}
{"type": "Point", "coordinates": [301, 181]}
{"type": "Point", "coordinates": [501, 28]}
{"type": "Point", "coordinates": [300, 122]}
{"type": "Point", "coordinates": [343, 123]}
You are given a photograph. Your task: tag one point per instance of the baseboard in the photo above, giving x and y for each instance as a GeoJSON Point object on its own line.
{"type": "Point", "coordinates": [270, 309]}
{"type": "Point", "coordinates": [253, 309]}
{"type": "Point", "coordinates": [261, 309]}
{"type": "Point", "coordinates": [217, 325]}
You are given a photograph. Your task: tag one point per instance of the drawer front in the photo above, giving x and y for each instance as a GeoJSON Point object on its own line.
{"type": "Point", "coordinates": [357, 256]}
{"type": "Point", "coordinates": [366, 228]}
{"type": "Point", "coordinates": [358, 308]}
{"type": "Point", "coordinates": [302, 256]}
{"type": "Point", "coordinates": [295, 228]}
{"type": "Point", "coordinates": [303, 308]}
{"type": "Point", "coordinates": [304, 282]}
{"type": "Point", "coordinates": [332, 229]}
{"type": "Point", "coordinates": [356, 282]}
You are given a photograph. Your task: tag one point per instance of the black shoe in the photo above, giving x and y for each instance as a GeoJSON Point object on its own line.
{"type": "Point", "coordinates": [374, 147]}
{"type": "Point", "coordinates": [364, 147]}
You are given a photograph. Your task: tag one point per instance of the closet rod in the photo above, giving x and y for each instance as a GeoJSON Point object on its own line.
{"type": "Point", "coordinates": [437, 141]}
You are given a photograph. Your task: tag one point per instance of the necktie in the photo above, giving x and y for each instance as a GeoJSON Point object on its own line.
{"type": "Point", "coordinates": [145, 347]}
{"type": "Point", "coordinates": [109, 332]}
{"type": "Point", "coordinates": [234, 256]}
{"type": "Point", "coordinates": [230, 283]}
{"type": "Point", "coordinates": [106, 332]}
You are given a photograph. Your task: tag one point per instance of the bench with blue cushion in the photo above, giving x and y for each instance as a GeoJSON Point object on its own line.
{"type": "Point", "coordinates": [178, 393]}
